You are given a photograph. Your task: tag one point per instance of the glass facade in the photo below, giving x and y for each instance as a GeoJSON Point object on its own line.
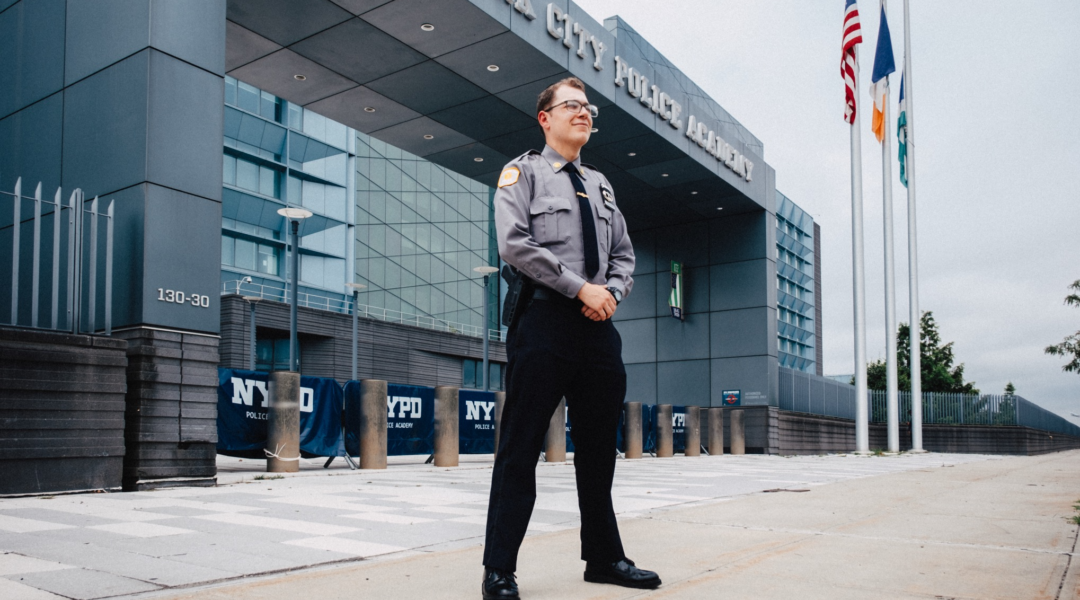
{"type": "Point", "coordinates": [420, 231]}
{"type": "Point", "coordinates": [278, 154]}
{"type": "Point", "coordinates": [410, 230]}
{"type": "Point", "coordinates": [795, 286]}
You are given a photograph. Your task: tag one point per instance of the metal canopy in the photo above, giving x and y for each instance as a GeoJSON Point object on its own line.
{"type": "Point", "coordinates": [435, 92]}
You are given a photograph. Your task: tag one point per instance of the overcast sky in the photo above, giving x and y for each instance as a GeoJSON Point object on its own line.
{"type": "Point", "coordinates": [995, 90]}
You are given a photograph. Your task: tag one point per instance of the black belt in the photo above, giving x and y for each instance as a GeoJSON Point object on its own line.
{"type": "Point", "coordinates": [545, 293]}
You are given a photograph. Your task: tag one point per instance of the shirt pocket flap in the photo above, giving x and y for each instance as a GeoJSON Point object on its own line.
{"type": "Point", "coordinates": [605, 214]}
{"type": "Point", "coordinates": [548, 205]}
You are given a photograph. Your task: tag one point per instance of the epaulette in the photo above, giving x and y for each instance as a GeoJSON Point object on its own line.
{"type": "Point", "coordinates": [529, 153]}
{"type": "Point", "coordinates": [590, 166]}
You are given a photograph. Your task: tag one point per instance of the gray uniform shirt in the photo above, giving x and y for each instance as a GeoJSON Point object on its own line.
{"type": "Point", "coordinates": [538, 223]}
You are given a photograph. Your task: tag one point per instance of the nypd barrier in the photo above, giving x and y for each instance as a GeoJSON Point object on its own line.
{"type": "Point", "coordinates": [330, 418]}
{"type": "Point", "coordinates": [243, 404]}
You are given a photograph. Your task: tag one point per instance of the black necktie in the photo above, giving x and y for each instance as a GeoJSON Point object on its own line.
{"type": "Point", "coordinates": [588, 224]}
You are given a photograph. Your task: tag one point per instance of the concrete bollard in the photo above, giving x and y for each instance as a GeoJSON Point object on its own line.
{"type": "Point", "coordinates": [664, 446]}
{"type": "Point", "coordinates": [500, 400]}
{"type": "Point", "coordinates": [446, 426]}
{"type": "Point", "coordinates": [283, 423]}
{"type": "Point", "coordinates": [632, 429]}
{"type": "Point", "coordinates": [716, 431]}
{"type": "Point", "coordinates": [372, 424]}
{"type": "Point", "coordinates": [738, 433]}
{"type": "Point", "coordinates": [693, 431]}
{"type": "Point", "coordinates": [555, 445]}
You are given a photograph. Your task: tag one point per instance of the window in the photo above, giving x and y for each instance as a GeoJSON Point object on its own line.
{"type": "Point", "coordinates": [471, 374]}
{"type": "Point", "coordinates": [273, 355]}
{"type": "Point", "coordinates": [251, 256]}
{"type": "Point", "coordinates": [249, 176]}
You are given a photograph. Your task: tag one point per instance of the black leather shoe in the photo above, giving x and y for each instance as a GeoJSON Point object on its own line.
{"type": "Point", "coordinates": [499, 585]}
{"type": "Point", "coordinates": [622, 573]}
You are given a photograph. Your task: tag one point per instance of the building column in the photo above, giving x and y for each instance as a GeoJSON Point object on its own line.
{"type": "Point", "coordinates": [124, 99]}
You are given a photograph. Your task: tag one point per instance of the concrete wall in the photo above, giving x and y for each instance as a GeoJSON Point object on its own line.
{"type": "Point", "coordinates": [392, 352]}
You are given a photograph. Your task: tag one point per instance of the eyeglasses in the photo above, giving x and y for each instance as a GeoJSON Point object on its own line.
{"type": "Point", "coordinates": [575, 106]}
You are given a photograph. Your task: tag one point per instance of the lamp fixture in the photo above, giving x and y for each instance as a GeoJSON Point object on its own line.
{"type": "Point", "coordinates": [300, 77]}
{"type": "Point", "coordinates": [631, 153]}
{"type": "Point", "coordinates": [693, 193]}
{"type": "Point", "coordinates": [294, 213]}
{"type": "Point", "coordinates": [369, 109]}
{"type": "Point", "coordinates": [478, 159]}
{"type": "Point", "coordinates": [427, 27]}
{"type": "Point", "coordinates": [428, 136]}
{"type": "Point", "coordinates": [719, 208]}
{"type": "Point", "coordinates": [493, 68]}
{"type": "Point", "coordinates": [663, 174]}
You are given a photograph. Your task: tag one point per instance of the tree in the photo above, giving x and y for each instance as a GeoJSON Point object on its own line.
{"type": "Point", "coordinates": [938, 372]}
{"type": "Point", "coordinates": [1010, 389]}
{"type": "Point", "coordinates": [1070, 346]}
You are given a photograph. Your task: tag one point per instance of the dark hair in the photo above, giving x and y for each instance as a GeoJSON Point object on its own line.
{"type": "Point", "coordinates": [545, 97]}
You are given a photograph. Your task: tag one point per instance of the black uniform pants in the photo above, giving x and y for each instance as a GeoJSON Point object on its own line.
{"type": "Point", "coordinates": [554, 352]}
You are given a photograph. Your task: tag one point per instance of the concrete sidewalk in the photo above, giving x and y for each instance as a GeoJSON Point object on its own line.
{"type": "Point", "coordinates": [986, 529]}
{"type": "Point", "coordinates": [913, 526]}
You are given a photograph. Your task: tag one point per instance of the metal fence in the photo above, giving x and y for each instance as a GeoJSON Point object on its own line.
{"type": "Point", "coordinates": [950, 409]}
{"type": "Point", "coordinates": [65, 253]}
{"type": "Point", "coordinates": [808, 393]}
{"type": "Point", "coordinates": [345, 306]}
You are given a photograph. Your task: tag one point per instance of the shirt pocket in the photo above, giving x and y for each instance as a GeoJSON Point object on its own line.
{"type": "Point", "coordinates": [603, 230]}
{"type": "Point", "coordinates": [551, 220]}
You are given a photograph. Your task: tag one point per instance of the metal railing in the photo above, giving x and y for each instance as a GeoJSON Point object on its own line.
{"type": "Point", "coordinates": [811, 394]}
{"type": "Point", "coordinates": [345, 306]}
{"type": "Point", "coordinates": [950, 409]}
{"type": "Point", "coordinates": [75, 278]}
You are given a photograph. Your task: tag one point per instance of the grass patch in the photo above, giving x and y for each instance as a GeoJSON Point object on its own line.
{"type": "Point", "coordinates": [1075, 519]}
{"type": "Point", "coordinates": [878, 451]}
{"type": "Point", "coordinates": [268, 477]}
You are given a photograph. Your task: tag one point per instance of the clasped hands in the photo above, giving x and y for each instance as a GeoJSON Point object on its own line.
{"type": "Point", "coordinates": [599, 303]}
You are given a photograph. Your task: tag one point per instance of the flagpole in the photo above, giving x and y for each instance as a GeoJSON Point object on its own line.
{"type": "Point", "coordinates": [862, 421]}
{"type": "Point", "coordinates": [892, 410]}
{"type": "Point", "coordinates": [913, 263]}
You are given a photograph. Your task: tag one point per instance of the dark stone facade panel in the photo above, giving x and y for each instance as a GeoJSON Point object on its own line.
{"type": "Point", "coordinates": [171, 428]}
{"type": "Point", "coordinates": [61, 412]}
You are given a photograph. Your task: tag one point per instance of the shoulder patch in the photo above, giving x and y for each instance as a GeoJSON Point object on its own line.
{"type": "Point", "coordinates": [509, 176]}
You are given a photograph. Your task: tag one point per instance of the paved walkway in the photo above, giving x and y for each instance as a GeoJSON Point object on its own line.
{"type": "Point", "coordinates": [924, 526]}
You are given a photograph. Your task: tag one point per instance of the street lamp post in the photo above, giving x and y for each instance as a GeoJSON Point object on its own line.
{"type": "Point", "coordinates": [355, 287]}
{"type": "Point", "coordinates": [486, 271]}
{"type": "Point", "coordinates": [294, 215]}
{"type": "Point", "coordinates": [252, 301]}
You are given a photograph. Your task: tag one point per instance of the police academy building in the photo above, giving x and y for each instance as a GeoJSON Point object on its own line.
{"type": "Point", "coordinates": [390, 121]}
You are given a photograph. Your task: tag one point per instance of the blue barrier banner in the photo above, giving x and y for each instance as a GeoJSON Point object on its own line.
{"type": "Point", "coordinates": [678, 428]}
{"type": "Point", "coordinates": [410, 420]}
{"type": "Point", "coordinates": [569, 425]}
{"type": "Point", "coordinates": [242, 414]}
{"type": "Point", "coordinates": [476, 422]}
{"type": "Point", "coordinates": [648, 429]}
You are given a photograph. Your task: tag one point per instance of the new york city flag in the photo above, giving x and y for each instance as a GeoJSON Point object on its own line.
{"type": "Point", "coordinates": [901, 133]}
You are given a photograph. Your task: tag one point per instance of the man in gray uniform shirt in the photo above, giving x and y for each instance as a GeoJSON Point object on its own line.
{"type": "Point", "coordinates": [558, 224]}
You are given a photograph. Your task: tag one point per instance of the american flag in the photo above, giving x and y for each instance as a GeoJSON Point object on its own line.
{"type": "Point", "coordinates": [848, 63]}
